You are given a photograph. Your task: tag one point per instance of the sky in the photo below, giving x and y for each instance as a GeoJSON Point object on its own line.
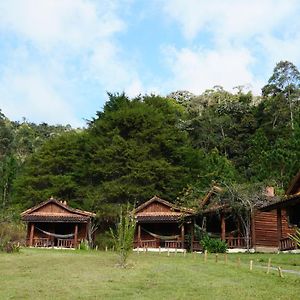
{"type": "Point", "coordinates": [59, 58]}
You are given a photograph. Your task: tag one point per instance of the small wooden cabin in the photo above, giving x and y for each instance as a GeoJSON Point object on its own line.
{"type": "Point", "coordinates": [216, 219]}
{"type": "Point", "coordinates": [162, 224]}
{"type": "Point", "coordinates": [53, 223]}
{"type": "Point", "coordinates": [285, 216]}
{"type": "Point", "coordinates": [270, 225]}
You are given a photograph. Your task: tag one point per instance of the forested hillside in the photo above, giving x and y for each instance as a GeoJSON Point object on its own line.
{"type": "Point", "coordinates": [173, 146]}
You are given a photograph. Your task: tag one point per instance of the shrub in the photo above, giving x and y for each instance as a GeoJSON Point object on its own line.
{"type": "Point", "coordinates": [123, 236]}
{"type": "Point", "coordinates": [84, 245]}
{"type": "Point", "coordinates": [213, 245]}
{"type": "Point", "coordinates": [103, 240]}
{"type": "Point", "coordinates": [12, 236]}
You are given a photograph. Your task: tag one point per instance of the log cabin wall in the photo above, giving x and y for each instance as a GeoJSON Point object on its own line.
{"type": "Point", "coordinates": [155, 207]}
{"type": "Point", "coordinates": [266, 233]}
{"type": "Point", "coordinates": [53, 208]}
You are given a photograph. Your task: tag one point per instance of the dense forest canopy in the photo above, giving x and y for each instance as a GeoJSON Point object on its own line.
{"type": "Point", "coordinates": [173, 146]}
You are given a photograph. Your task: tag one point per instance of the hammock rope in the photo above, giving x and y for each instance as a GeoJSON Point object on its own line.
{"type": "Point", "coordinates": [161, 237]}
{"type": "Point", "coordinates": [61, 236]}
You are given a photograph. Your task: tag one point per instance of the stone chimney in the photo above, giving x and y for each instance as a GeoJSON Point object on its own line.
{"type": "Point", "coordinates": [270, 191]}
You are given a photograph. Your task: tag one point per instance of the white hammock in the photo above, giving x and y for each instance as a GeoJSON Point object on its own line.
{"type": "Point", "coordinates": [162, 237]}
{"type": "Point", "coordinates": [61, 236]}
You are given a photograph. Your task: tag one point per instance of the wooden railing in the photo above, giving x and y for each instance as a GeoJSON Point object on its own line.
{"type": "Point", "coordinates": [148, 244]}
{"type": "Point", "coordinates": [287, 244]}
{"type": "Point", "coordinates": [197, 246]}
{"type": "Point", "coordinates": [65, 243]}
{"type": "Point", "coordinates": [41, 242]}
{"type": "Point", "coordinates": [173, 244]}
{"type": "Point", "coordinates": [237, 242]}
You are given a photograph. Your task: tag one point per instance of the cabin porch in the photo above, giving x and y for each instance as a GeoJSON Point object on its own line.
{"type": "Point", "coordinates": [165, 236]}
{"type": "Point", "coordinates": [61, 235]}
{"type": "Point", "coordinates": [227, 228]}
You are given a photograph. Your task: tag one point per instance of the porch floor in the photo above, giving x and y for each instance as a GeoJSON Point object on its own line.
{"type": "Point", "coordinates": [179, 250]}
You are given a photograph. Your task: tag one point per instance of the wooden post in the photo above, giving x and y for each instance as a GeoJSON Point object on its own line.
{"type": "Point", "coordinates": [168, 252]}
{"type": "Point", "coordinates": [139, 235]}
{"type": "Point", "coordinates": [223, 227]}
{"type": "Point", "coordinates": [159, 250]}
{"type": "Point", "coordinates": [279, 227]}
{"type": "Point", "coordinates": [184, 253]}
{"type": "Point", "coordinates": [175, 251]}
{"type": "Point", "coordinates": [216, 257]}
{"type": "Point", "coordinates": [251, 265]}
{"type": "Point", "coordinates": [280, 272]}
{"type": "Point", "coordinates": [105, 248]}
{"type": "Point", "coordinates": [239, 232]}
{"type": "Point", "coordinates": [192, 234]}
{"type": "Point", "coordinates": [239, 262]}
{"type": "Point", "coordinates": [76, 236]}
{"type": "Point", "coordinates": [182, 236]}
{"type": "Point", "coordinates": [269, 265]}
{"type": "Point", "coordinates": [31, 235]}
{"type": "Point", "coordinates": [205, 255]}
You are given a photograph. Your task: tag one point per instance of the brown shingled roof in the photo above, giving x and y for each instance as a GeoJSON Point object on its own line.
{"type": "Point", "coordinates": [68, 214]}
{"type": "Point", "coordinates": [173, 214]}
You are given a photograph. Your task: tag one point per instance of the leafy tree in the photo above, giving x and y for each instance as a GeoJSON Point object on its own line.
{"type": "Point", "coordinates": [284, 84]}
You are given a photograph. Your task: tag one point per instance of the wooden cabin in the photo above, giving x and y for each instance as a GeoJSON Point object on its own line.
{"type": "Point", "coordinates": [53, 223]}
{"type": "Point", "coordinates": [270, 226]}
{"type": "Point", "coordinates": [285, 216]}
{"type": "Point", "coordinates": [217, 220]}
{"type": "Point", "coordinates": [162, 224]}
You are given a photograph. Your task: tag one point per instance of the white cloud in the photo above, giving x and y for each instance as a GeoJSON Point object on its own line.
{"type": "Point", "coordinates": [65, 43]}
{"type": "Point", "coordinates": [243, 38]}
{"type": "Point", "coordinates": [199, 69]}
{"type": "Point", "coordinates": [68, 23]}
{"type": "Point", "coordinates": [30, 95]}
{"type": "Point", "coordinates": [228, 19]}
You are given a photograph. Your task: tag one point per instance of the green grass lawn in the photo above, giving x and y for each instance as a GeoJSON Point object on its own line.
{"type": "Point", "coordinates": [58, 274]}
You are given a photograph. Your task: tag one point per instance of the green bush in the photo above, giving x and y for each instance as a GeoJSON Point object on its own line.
{"type": "Point", "coordinates": [213, 245]}
{"type": "Point", "coordinates": [104, 240]}
{"type": "Point", "coordinates": [84, 245]}
{"type": "Point", "coordinates": [12, 236]}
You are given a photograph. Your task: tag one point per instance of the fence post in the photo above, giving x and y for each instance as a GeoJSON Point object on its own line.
{"type": "Point", "coordinates": [251, 265]}
{"type": "Point", "coordinates": [269, 265]}
{"type": "Point", "coordinates": [205, 255]}
{"type": "Point", "coordinates": [280, 272]}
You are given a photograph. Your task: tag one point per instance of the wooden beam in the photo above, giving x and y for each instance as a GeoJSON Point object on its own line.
{"type": "Point", "coordinates": [76, 236]}
{"type": "Point", "coordinates": [139, 235]}
{"type": "Point", "coordinates": [279, 226]}
{"type": "Point", "coordinates": [223, 227]}
{"type": "Point", "coordinates": [192, 234]}
{"type": "Point", "coordinates": [31, 235]}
